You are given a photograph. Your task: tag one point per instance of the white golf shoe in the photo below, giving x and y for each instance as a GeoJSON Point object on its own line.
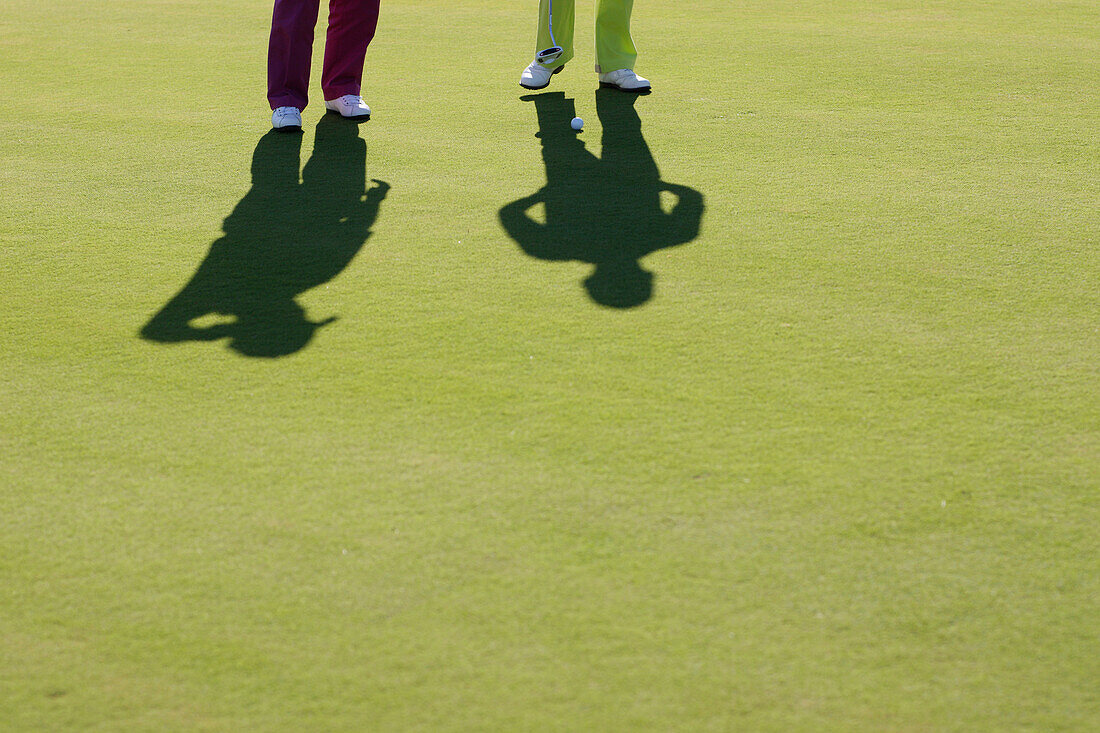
{"type": "Point", "coordinates": [287, 119]}
{"type": "Point", "coordinates": [537, 76]}
{"type": "Point", "coordinates": [350, 106]}
{"type": "Point", "coordinates": [626, 80]}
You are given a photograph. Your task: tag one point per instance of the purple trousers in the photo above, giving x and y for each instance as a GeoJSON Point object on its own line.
{"type": "Point", "coordinates": [351, 25]}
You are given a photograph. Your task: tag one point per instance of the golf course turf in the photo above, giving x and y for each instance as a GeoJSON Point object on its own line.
{"type": "Point", "coordinates": [770, 401]}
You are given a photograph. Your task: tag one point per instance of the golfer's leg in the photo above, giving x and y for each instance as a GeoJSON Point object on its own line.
{"type": "Point", "coordinates": [351, 25]}
{"type": "Point", "coordinates": [614, 46]}
{"type": "Point", "coordinates": [563, 29]}
{"type": "Point", "coordinates": [290, 51]}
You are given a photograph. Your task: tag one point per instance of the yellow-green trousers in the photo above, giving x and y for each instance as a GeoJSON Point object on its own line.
{"type": "Point", "coordinates": [614, 46]}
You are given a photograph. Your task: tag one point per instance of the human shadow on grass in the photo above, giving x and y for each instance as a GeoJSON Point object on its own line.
{"type": "Point", "coordinates": [604, 211]}
{"type": "Point", "coordinates": [284, 237]}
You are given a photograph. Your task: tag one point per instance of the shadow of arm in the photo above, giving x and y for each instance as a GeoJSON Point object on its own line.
{"type": "Point", "coordinates": [682, 223]}
{"type": "Point", "coordinates": [172, 325]}
{"type": "Point", "coordinates": [531, 236]}
{"type": "Point", "coordinates": [367, 211]}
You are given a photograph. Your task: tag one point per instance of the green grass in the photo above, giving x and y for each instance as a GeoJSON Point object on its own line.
{"type": "Point", "coordinates": [839, 472]}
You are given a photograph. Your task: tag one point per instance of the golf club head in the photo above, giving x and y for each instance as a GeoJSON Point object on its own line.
{"type": "Point", "coordinates": [549, 55]}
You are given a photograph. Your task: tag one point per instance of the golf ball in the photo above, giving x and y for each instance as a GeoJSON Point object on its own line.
{"type": "Point", "coordinates": [577, 123]}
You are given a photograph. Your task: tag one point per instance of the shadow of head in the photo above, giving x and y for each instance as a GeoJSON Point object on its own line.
{"type": "Point", "coordinates": [620, 284]}
{"type": "Point", "coordinates": [272, 335]}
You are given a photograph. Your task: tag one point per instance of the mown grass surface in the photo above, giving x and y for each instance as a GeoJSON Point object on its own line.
{"type": "Point", "coordinates": [838, 471]}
